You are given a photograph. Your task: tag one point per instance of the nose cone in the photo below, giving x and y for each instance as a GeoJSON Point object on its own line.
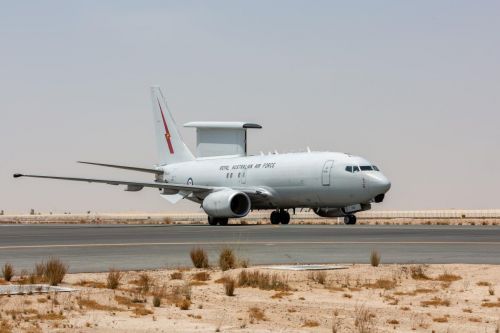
{"type": "Point", "coordinates": [379, 184]}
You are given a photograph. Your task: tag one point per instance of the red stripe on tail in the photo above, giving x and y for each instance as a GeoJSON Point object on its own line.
{"type": "Point", "coordinates": [167, 133]}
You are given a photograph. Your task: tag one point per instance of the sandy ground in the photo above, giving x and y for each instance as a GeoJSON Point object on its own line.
{"type": "Point", "coordinates": [361, 298]}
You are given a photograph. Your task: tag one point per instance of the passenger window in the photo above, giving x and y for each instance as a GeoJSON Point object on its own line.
{"type": "Point", "coordinates": [348, 168]}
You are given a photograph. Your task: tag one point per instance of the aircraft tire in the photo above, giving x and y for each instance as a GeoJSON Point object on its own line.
{"type": "Point", "coordinates": [284, 217]}
{"type": "Point", "coordinates": [212, 220]}
{"type": "Point", "coordinates": [223, 221]}
{"type": "Point", "coordinates": [275, 217]}
{"type": "Point", "coordinates": [350, 219]}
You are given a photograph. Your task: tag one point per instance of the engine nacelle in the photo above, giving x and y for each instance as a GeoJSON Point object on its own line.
{"type": "Point", "coordinates": [226, 203]}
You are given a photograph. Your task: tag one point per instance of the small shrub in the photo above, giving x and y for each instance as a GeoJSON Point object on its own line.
{"type": "Point", "coordinates": [381, 284]}
{"type": "Point", "coordinates": [440, 319]}
{"type": "Point", "coordinates": [229, 285]}
{"type": "Point", "coordinates": [176, 275]}
{"type": "Point", "coordinates": [54, 271]}
{"type": "Point", "coordinates": [7, 271]}
{"type": "Point", "coordinates": [419, 273]}
{"type": "Point", "coordinates": [201, 276]}
{"type": "Point", "coordinates": [199, 257]}
{"type": "Point", "coordinates": [227, 259]}
{"type": "Point", "coordinates": [491, 291]}
{"type": "Point", "coordinates": [318, 276]}
{"type": "Point", "coordinates": [374, 258]}
{"type": "Point", "coordinates": [436, 301]}
{"type": "Point", "coordinates": [310, 323]}
{"type": "Point", "coordinates": [144, 283]}
{"type": "Point", "coordinates": [264, 281]}
{"type": "Point", "coordinates": [363, 319]}
{"type": "Point", "coordinates": [447, 277]}
{"type": "Point", "coordinates": [256, 313]}
{"type": "Point", "coordinates": [184, 304]}
{"type": "Point", "coordinates": [156, 301]}
{"type": "Point", "coordinates": [39, 270]}
{"type": "Point", "coordinates": [113, 279]}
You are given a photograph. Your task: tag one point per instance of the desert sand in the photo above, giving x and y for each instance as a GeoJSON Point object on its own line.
{"type": "Point", "coordinates": [360, 298]}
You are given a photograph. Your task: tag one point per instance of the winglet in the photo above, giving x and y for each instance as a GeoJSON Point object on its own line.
{"type": "Point", "coordinates": [17, 175]}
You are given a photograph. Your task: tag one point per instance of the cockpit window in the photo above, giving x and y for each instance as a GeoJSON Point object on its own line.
{"type": "Point", "coordinates": [375, 168]}
{"type": "Point", "coordinates": [355, 168]}
{"type": "Point", "coordinates": [348, 168]}
{"type": "Point", "coordinates": [366, 167]}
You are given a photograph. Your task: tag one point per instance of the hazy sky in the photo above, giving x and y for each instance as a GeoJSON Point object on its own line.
{"type": "Point", "coordinates": [413, 86]}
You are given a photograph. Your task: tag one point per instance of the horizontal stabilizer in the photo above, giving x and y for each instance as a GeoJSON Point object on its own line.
{"type": "Point", "coordinates": [155, 171]}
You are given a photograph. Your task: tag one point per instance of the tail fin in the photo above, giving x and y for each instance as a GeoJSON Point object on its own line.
{"type": "Point", "coordinates": [171, 148]}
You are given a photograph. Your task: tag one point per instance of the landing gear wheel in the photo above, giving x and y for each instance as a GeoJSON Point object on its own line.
{"type": "Point", "coordinates": [350, 219]}
{"type": "Point", "coordinates": [284, 217]}
{"type": "Point", "coordinates": [223, 221]}
{"type": "Point", "coordinates": [212, 220]}
{"type": "Point", "coordinates": [275, 217]}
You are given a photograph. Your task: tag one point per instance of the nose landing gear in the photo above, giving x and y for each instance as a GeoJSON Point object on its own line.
{"type": "Point", "coordinates": [217, 220]}
{"type": "Point", "coordinates": [350, 219]}
{"type": "Point", "coordinates": [281, 216]}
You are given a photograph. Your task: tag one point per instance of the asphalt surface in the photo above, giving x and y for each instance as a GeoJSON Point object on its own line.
{"type": "Point", "coordinates": [92, 248]}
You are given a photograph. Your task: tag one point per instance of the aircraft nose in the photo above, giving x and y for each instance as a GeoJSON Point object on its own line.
{"type": "Point", "coordinates": [379, 183]}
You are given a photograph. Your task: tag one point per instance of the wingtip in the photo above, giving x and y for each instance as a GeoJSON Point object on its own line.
{"type": "Point", "coordinates": [17, 175]}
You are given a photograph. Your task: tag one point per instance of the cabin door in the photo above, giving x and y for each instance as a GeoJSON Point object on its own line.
{"type": "Point", "coordinates": [325, 174]}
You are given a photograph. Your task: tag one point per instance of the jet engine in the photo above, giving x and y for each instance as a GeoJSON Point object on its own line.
{"type": "Point", "coordinates": [226, 203]}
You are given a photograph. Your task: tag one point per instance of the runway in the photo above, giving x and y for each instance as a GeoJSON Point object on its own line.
{"type": "Point", "coordinates": [93, 248]}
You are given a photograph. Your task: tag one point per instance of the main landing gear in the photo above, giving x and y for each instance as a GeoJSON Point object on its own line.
{"type": "Point", "coordinates": [217, 220]}
{"type": "Point", "coordinates": [281, 216]}
{"type": "Point", "coordinates": [350, 219]}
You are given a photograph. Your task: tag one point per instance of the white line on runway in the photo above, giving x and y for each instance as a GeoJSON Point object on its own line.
{"type": "Point", "coordinates": [237, 243]}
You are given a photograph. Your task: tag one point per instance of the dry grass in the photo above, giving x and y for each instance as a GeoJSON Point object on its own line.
{"type": "Point", "coordinates": [256, 313]}
{"type": "Point", "coordinates": [156, 301]}
{"type": "Point", "coordinates": [374, 258]}
{"type": "Point", "coordinates": [483, 284]}
{"type": "Point", "coordinates": [491, 304]}
{"type": "Point", "coordinates": [176, 275]}
{"type": "Point", "coordinates": [318, 276]}
{"type": "Point", "coordinates": [491, 290]}
{"type": "Point", "coordinates": [229, 286]}
{"type": "Point", "coordinates": [201, 276]}
{"type": "Point", "coordinates": [93, 305]}
{"type": "Point", "coordinates": [392, 322]}
{"type": "Point", "coordinates": [264, 281]}
{"type": "Point", "coordinates": [363, 319]}
{"type": "Point", "coordinates": [435, 301]}
{"type": "Point", "coordinates": [7, 271]}
{"type": "Point", "coordinates": [227, 259]}
{"type": "Point", "coordinates": [381, 284]}
{"type": "Point", "coordinates": [54, 271]}
{"type": "Point", "coordinates": [90, 284]}
{"type": "Point", "coordinates": [113, 279]}
{"type": "Point", "coordinates": [199, 257]}
{"type": "Point", "coordinates": [281, 294]}
{"type": "Point", "coordinates": [419, 272]}
{"type": "Point", "coordinates": [310, 323]}
{"type": "Point", "coordinates": [180, 296]}
{"type": "Point", "coordinates": [5, 327]}
{"type": "Point", "coordinates": [440, 319]}
{"type": "Point", "coordinates": [447, 277]}
{"type": "Point", "coordinates": [144, 283]}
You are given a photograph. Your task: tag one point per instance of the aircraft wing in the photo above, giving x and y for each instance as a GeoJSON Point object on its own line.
{"type": "Point", "coordinates": [131, 186]}
{"type": "Point", "coordinates": [170, 188]}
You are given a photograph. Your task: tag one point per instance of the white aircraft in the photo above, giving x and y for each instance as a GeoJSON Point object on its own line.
{"type": "Point", "coordinates": [228, 183]}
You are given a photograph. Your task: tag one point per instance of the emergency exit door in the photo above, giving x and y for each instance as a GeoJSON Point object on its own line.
{"type": "Point", "coordinates": [325, 174]}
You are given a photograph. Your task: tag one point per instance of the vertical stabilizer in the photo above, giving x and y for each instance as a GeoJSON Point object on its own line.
{"type": "Point", "coordinates": [171, 148]}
